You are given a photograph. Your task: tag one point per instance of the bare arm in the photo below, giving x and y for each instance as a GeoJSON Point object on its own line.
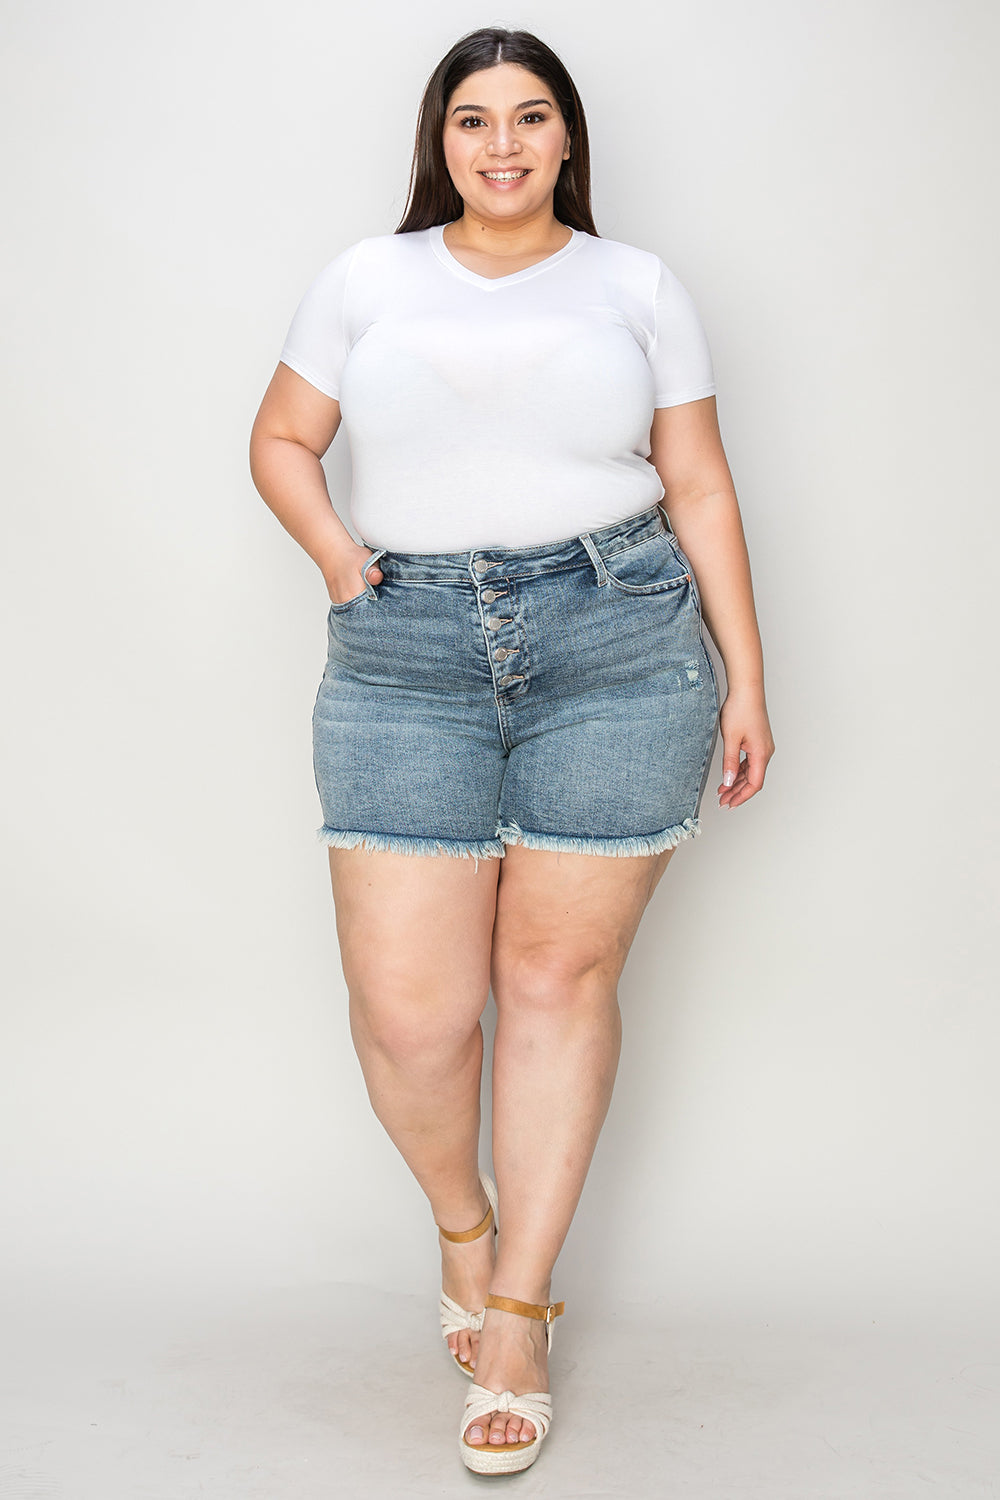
{"type": "Point", "coordinates": [294, 427]}
{"type": "Point", "coordinates": [701, 502]}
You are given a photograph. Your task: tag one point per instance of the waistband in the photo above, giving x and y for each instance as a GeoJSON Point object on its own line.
{"type": "Point", "coordinates": [485, 563]}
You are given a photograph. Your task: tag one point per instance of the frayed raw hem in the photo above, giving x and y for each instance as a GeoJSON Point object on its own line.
{"type": "Point", "coordinates": [392, 843]}
{"type": "Point", "coordinates": [650, 843]}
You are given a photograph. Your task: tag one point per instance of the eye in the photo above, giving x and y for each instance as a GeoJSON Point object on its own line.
{"type": "Point", "coordinates": [533, 116]}
{"type": "Point", "coordinates": [470, 120]}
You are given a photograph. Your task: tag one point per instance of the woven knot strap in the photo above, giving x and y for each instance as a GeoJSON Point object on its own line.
{"type": "Point", "coordinates": [536, 1406]}
{"type": "Point", "coordinates": [454, 1317]}
{"type": "Point", "coordinates": [534, 1310]}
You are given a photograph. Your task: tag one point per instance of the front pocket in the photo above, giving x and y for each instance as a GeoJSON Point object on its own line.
{"type": "Point", "coordinates": [651, 566]}
{"type": "Point", "coordinates": [348, 603]}
{"type": "Point", "coordinates": [368, 592]}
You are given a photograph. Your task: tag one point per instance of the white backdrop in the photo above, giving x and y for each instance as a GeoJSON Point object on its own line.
{"type": "Point", "coordinates": [806, 1113]}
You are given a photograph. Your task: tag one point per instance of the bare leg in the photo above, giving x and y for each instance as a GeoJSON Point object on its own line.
{"type": "Point", "coordinates": [415, 934]}
{"type": "Point", "coordinates": [564, 927]}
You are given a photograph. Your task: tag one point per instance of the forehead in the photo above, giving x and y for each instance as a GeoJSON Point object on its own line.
{"type": "Point", "coordinates": [503, 86]}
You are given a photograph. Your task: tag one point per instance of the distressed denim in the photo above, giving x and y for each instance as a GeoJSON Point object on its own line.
{"type": "Point", "coordinates": [556, 696]}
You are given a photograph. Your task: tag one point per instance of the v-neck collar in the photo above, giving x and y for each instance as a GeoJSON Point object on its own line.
{"type": "Point", "coordinates": [493, 283]}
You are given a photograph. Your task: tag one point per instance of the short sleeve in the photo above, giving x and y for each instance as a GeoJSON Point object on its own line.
{"type": "Point", "coordinates": [679, 355]}
{"type": "Point", "coordinates": [316, 345]}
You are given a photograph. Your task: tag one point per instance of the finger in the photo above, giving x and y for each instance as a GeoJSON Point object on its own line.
{"type": "Point", "coordinates": [732, 775]}
{"type": "Point", "coordinates": [730, 762]}
{"type": "Point", "coordinates": [750, 780]}
{"type": "Point", "coordinates": [728, 794]}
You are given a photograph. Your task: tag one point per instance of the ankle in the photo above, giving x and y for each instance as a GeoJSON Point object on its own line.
{"type": "Point", "coordinates": [521, 1285]}
{"type": "Point", "coordinates": [458, 1214]}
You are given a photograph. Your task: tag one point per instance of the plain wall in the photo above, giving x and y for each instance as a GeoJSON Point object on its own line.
{"type": "Point", "coordinates": [806, 1115]}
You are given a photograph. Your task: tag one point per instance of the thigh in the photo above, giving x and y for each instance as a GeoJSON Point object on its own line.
{"type": "Point", "coordinates": [569, 914]}
{"type": "Point", "coordinates": [415, 931]}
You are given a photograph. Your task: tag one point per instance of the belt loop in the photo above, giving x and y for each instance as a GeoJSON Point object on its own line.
{"type": "Point", "coordinates": [369, 587]}
{"type": "Point", "coordinates": [595, 557]}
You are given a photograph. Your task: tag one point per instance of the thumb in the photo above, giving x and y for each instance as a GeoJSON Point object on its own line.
{"type": "Point", "coordinates": [730, 763]}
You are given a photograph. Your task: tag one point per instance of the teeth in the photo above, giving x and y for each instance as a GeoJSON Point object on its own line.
{"type": "Point", "coordinates": [506, 176]}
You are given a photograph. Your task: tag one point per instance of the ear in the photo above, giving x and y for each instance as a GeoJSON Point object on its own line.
{"type": "Point", "coordinates": [568, 151]}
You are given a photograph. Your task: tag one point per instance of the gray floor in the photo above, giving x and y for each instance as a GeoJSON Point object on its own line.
{"type": "Point", "coordinates": [281, 1396]}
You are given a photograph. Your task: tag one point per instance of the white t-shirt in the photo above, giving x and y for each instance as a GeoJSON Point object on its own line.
{"type": "Point", "coordinates": [507, 412]}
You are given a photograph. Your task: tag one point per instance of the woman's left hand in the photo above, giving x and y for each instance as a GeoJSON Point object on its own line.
{"type": "Point", "coordinates": [746, 733]}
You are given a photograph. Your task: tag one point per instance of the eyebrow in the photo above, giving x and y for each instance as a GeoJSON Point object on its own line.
{"type": "Point", "coordinates": [483, 110]}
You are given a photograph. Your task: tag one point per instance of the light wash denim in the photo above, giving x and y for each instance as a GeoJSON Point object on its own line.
{"type": "Point", "coordinates": [556, 696]}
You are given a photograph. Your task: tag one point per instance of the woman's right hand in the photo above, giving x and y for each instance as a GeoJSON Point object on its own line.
{"type": "Point", "coordinates": [344, 581]}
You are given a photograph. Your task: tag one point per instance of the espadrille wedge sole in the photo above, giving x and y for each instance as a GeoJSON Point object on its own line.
{"type": "Point", "coordinates": [453, 1317]}
{"type": "Point", "coordinates": [534, 1406]}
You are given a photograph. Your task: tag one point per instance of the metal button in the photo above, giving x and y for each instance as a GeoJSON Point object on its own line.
{"type": "Point", "coordinates": [488, 596]}
{"type": "Point", "coordinates": [481, 565]}
{"type": "Point", "coordinates": [513, 677]}
{"type": "Point", "coordinates": [502, 653]}
{"type": "Point", "coordinates": [494, 622]}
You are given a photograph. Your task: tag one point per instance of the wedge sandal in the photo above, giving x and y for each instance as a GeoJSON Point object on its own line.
{"type": "Point", "coordinates": [453, 1317]}
{"type": "Point", "coordinates": [535, 1406]}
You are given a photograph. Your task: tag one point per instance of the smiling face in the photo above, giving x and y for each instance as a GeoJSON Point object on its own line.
{"type": "Point", "coordinates": [504, 143]}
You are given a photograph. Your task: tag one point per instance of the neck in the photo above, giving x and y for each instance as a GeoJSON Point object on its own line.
{"type": "Point", "coordinates": [529, 235]}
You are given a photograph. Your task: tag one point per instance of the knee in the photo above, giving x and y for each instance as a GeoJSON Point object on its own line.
{"type": "Point", "coordinates": [572, 980]}
{"type": "Point", "coordinates": [410, 1029]}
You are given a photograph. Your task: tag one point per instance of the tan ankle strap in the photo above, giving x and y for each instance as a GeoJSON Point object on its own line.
{"type": "Point", "coordinates": [526, 1309]}
{"type": "Point", "coordinates": [462, 1236]}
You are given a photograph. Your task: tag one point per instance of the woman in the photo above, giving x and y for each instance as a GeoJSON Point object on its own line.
{"type": "Point", "coordinates": [515, 725]}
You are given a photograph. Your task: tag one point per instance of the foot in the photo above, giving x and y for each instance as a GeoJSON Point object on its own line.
{"type": "Point", "coordinates": [466, 1271]}
{"type": "Point", "coordinates": [513, 1357]}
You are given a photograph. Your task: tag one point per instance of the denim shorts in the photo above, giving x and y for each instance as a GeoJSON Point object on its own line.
{"type": "Point", "coordinates": [556, 696]}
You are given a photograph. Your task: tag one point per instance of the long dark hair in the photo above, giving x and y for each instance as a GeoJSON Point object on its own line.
{"type": "Point", "coordinates": [432, 197]}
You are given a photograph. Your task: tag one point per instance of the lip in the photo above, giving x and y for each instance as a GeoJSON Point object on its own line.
{"type": "Point", "coordinates": [505, 182]}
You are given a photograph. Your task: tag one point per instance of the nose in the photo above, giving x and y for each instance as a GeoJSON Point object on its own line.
{"type": "Point", "coordinates": [503, 141]}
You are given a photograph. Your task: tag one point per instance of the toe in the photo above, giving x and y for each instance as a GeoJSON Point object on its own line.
{"type": "Point", "coordinates": [481, 1430]}
{"type": "Point", "coordinates": [502, 1429]}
